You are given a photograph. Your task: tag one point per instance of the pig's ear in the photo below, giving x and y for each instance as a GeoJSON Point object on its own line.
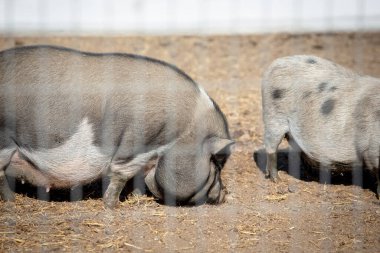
{"type": "Point", "coordinates": [219, 146]}
{"type": "Point", "coordinates": [150, 181]}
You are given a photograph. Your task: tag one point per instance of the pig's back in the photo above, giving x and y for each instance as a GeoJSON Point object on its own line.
{"type": "Point", "coordinates": [47, 92]}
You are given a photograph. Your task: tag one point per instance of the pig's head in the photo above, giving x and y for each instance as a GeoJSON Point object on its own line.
{"type": "Point", "coordinates": [191, 174]}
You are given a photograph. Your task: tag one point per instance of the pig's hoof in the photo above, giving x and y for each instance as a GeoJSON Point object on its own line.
{"type": "Point", "coordinates": [378, 192]}
{"type": "Point", "coordinates": [137, 192]}
{"type": "Point", "coordinates": [275, 179]}
{"type": "Point", "coordinates": [110, 205]}
{"type": "Point", "coordinates": [110, 202]}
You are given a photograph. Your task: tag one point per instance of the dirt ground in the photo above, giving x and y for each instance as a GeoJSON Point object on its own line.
{"type": "Point", "coordinates": [299, 214]}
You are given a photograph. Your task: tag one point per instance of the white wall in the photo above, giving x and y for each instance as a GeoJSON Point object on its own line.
{"type": "Point", "coordinates": [187, 16]}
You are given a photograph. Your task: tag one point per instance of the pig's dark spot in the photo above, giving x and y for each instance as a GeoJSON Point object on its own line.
{"type": "Point", "coordinates": [327, 106]}
{"type": "Point", "coordinates": [307, 94]}
{"type": "Point", "coordinates": [322, 86]}
{"type": "Point", "coordinates": [278, 93]}
{"type": "Point", "coordinates": [333, 88]}
{"type": "Point", "coordinates": [311, 61]}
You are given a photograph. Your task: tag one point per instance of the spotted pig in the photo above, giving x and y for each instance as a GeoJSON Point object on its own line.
{"type": "Point", "coordinates": [329, 112]}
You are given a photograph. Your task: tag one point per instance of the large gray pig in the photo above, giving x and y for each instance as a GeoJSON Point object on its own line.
{"type": "Point", "coordinates": [330, 113]}
{"type": "Point", "coordinates": [69, 117]}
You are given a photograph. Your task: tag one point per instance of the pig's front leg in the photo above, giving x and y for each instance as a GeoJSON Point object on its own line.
{"type": "Point", "coordinates": [120, 175]}
{"type": "Point", "coordinates": [5, 192]}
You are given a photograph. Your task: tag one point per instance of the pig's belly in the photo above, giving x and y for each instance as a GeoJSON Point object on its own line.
{"type": "Point", "coordinates": [26, 171]}
{"type": "Point", "coordinates": [76, 161]}
{"type": "Point", "coordinates": [327, 151]}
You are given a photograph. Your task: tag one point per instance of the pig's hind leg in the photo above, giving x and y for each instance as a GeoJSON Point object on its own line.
{"type": "Point", "coordinates": [5, 191]}
{"type": "Point", "coordinates": [21, 169]}
{"type": "Point", "coordinates": [275, 131]}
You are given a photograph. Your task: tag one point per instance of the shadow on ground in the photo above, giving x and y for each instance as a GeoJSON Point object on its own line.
{"type": "Point", "coordinates": [296, 165]}
{"type": "Point", "coordinates": [93, 190]}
